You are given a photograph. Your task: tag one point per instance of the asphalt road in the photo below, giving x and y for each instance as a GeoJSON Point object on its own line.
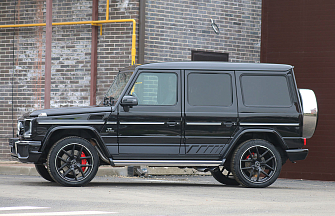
{"type": "Point", "coordinates": [170, 195]}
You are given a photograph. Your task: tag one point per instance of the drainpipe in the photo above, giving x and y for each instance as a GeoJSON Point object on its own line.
{"type": "Point", "coordinates": [141, 36]}
{"type": "Point", "coordinates": [94, 54]}
{"type": "Point", "coordinates": [48, 40]}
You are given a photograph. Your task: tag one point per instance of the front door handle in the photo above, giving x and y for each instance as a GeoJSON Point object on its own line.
{"type": "Point", "coordinates": [229, 124]}
{"type": "Point", "coordinates": [172, 124]}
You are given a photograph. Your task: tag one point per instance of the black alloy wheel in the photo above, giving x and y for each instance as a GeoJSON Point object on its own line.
{"type": "Point", "coordinates": [73, 161]}
{"type": "Point", "coordinates": [224, 176]}
{"type": "Point", "coordinates": [43, 171]}
{"type": "Point", "coordinates": [256, 163]}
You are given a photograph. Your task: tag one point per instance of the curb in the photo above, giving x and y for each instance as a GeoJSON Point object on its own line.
{"type": "Point", "coordinates": [174, 171]}
{"type": "Point", "coordinates": [17, 168]}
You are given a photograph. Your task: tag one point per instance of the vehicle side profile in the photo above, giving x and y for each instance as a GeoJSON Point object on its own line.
{"type": "Point", "coordinates": [239, 121]}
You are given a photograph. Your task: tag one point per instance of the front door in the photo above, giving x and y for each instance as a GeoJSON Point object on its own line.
{"type": "Point", "coordinates": [210, 113]}
{"type": "Point", "coordinates": [152, 129]}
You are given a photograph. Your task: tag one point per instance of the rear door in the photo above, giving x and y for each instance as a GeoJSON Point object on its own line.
{"type": "Point", "coordinates": [210, 113]}
{"type": "Point", "coordinates": [268, 100]}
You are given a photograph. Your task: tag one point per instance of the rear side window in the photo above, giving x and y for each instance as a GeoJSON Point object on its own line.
{"type": "Point", "coordinates": [269, 91]}
{"type": "Point", "coordinates": [206, 89]}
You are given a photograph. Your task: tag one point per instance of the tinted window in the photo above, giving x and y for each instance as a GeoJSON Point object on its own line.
{"type": "Point", "coordinates": [197, 55]}
{"type": "Point", "coordinates": [265, 91]}
{"type": "Point", "coordinates": [209, 89]}
{"type": "Point", "coordinates": [155, 89]}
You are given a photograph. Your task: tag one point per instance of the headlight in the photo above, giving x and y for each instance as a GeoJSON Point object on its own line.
{"type": "Point", "coordinates": [20, 128]}
{"type": "Point", "coordinates": [28, 124]}
{"type": "Point", "coordinates": [24, 128]}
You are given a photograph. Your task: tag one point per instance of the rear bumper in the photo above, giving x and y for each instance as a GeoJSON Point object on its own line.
{"type": "Point", "coordinates": [25, 151]}
{"type": "Point", "coordinates": [297, 154]}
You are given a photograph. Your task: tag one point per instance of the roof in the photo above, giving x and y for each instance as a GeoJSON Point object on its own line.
{"type": "Point", "coordinates": [207, 65]}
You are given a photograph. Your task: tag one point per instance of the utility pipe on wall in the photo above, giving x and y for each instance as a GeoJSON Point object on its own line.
{"type": "Point", "coordinates": [141, 35]}
{"type": "Point", "coordinates": [94, 54]}
{"type": "Point", "coordinates": [107, 10]}
{"type": "Point", "coordinates": [94, 23]}
{"type": "Point", "coordinates": [133, 43]}
{"type": "Point", "coordinates": [48, 40]}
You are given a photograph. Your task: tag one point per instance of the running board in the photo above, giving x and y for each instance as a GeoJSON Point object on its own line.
{"type": "Point", "coordinates": [172, 163]}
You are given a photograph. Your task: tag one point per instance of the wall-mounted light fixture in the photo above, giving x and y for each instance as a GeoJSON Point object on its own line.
{"type": "Point", "coordinates": [215, 27]}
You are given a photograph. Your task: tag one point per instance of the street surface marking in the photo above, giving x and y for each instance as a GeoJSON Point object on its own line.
{"type": "Point", "coordinates": [13, 208]}
{"type": "Point", "coordinates": [60, 213]}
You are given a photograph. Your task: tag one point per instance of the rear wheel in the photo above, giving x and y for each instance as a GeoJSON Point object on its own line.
{"type": "Point", "coordinates": [224, 176]}
{"type": "Point", "coordinates": [43, 171]}
{"type": "Point", "coordinates": [73, 161]}
{"type": "Point", "coordinates": [256, 163]}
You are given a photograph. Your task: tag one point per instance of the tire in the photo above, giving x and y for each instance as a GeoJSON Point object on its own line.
{"type": "Point", "coordinates": [73, 161]}
{"type": "Point", "coordinates": [43, 171]}
{"type": "Point", "coordinates": [222, 175]}
{"type": "Point", "coordinates": [256, 163]}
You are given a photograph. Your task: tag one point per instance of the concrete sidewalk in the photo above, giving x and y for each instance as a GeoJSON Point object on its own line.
{"type": "Point", "coordinates": [18, 168]}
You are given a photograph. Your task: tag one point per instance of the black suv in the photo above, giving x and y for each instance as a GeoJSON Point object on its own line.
{"type": "Point", "coordinates": [240, 121]}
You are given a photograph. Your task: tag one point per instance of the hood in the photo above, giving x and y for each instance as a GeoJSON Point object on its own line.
{"type": "Point", "coordinates": [72, 110]}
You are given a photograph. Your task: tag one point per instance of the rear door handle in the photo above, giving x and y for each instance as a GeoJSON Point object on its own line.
{"type": "Point", "coordinates": [229, 124]}
{"type": "Point", "coordinates": [172, 124]}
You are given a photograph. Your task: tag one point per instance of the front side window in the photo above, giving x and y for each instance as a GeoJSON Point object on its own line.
{"type": "Point", "coordinates": [209, 89]}
{"type": "Point", "coordinates": [266, 91]}
{"type": "Point", "coordinates": [155, 89]}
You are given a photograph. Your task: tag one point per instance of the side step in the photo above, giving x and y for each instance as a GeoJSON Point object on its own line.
{"type": "Point", "coordinates": [173, 163]}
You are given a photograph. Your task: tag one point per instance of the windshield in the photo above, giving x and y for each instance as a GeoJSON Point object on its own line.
{"type": "Point", "coordinates": [117, 87]}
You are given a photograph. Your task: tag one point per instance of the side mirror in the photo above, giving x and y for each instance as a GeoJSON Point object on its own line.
{"type": "Point", "coordinates": [129, 100]}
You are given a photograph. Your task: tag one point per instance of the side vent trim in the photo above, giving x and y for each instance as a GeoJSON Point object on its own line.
{"type": "Point", "coordinates": [95, 117]}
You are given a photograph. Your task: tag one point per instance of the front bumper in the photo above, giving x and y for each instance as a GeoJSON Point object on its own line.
{"type": "Point", "coordinates": [25, 151]}
{"type": "Point", "coordinates": [297, 154]}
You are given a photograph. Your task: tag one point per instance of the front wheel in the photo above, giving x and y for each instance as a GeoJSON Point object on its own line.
{"type": "Point", "coordinates": [73, 161]}
{"type": "Point", "coordinates": [256, 163]}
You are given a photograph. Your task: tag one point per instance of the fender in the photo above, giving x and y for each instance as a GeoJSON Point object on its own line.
{"type": "Point", "coordinates": [102, 147]}
{"type": "Point", "coordinates": [244, 131]}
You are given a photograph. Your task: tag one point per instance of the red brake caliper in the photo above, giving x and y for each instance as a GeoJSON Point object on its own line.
{"type": "Point", "coordinates": [249, 155]}
{"type": "Point", "coordinates": [83, 161]}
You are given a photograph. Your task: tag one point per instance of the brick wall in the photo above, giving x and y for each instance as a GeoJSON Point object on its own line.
{"type": "Point", "coordinates": [114, 46]}
{"type": "Point", "coordinates": [71, 56]}
{"type": "Point", "coordinates": [26, 75]}
{"type": "Point", "coordinates": [174, 28]}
